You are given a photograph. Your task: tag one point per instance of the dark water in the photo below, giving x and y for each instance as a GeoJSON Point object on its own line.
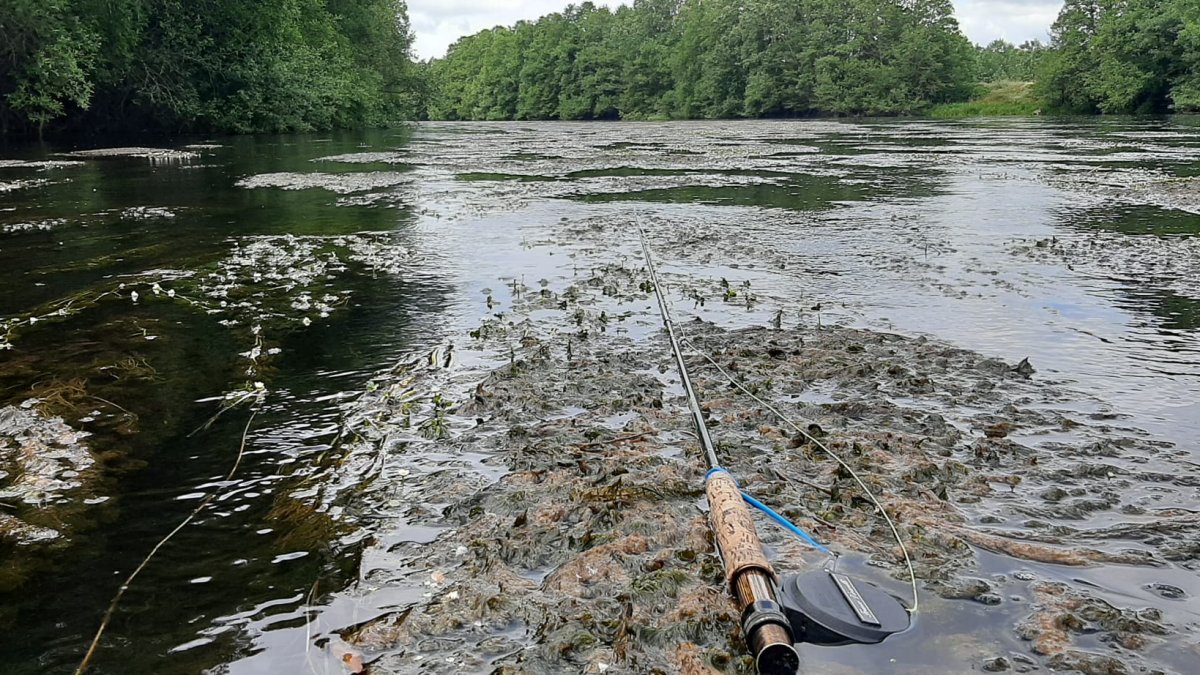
{"type": "Point", "coordinates": [921, 228]}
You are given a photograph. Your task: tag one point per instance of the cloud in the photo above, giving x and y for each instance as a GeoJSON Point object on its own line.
{"type": "Point", "coordinates": [438, 23]}
{"type": "Point", "coordinates": [1012, 20]}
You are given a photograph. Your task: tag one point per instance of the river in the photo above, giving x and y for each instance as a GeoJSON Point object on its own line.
{"type": "Point", "coordinates": [154, 296]}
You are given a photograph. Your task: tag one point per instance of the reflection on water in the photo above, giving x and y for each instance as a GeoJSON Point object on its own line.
{"type": "Point", "coordinates": [1004, 237]}
{"type": "Point", "coordinates": [1138, 220]}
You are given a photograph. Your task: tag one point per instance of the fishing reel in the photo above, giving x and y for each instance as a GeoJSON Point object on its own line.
{"type": "Point", "coordinates": [822, 608]}
{"type": "Point", "coordinates": [831, 609]}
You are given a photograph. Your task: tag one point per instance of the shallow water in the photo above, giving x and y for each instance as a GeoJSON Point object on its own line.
{"type": "Point", "coordinates": [1070, 243]}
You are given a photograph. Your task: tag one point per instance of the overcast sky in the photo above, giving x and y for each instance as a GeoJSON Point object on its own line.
{"type": "Point", "coordinates": [440, 22]}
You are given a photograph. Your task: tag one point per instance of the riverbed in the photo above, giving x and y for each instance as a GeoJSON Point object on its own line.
{"type": "Point", "coordinates": [464, 446]}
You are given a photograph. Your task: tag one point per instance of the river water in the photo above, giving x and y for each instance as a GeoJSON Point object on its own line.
{"type": "Point", "coordinates": [153, 297]}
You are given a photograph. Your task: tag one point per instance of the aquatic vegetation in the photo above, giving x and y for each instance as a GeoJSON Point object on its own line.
{"type": "Point", "coordinates": [155, 155]}
{"type": "Point", "coordinates": [39, 165]}
{"type": "Point", "coordinates": [35, 226]}
{"type": "Point", "coordinates": [147, 213]}
{"type": "Point", "coordinates": [525, 497]}
{"type": "Point", "coordinates": [43, 464]}
{"type": "Point", "coordinates": [1177, 193]}
{"type": "Point", "coordinates": [339, 183]}
{"type": "Point", "coordinates": [10, 186]}
{"type": "Point", "coordinates": [1169, 262]}
{"type": "Point", "coordinates": [367, 158]}
{"type": "Point", "coordinates": [592, 509]}
{"type": "Point", "coordinates": [265, 283]}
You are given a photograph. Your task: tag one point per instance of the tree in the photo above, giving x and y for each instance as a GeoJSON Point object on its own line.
{"type": "Point", "coordinates": [1003, 61]}
{"type": "Point", "coordinates": [192, 65]}
{"type": "Point", "coordinates": [1123, 56]}
{"type": "Point", "coordinates": [46, 55]}
{"type": "Point", "coordinates": [1185, 94]}
{"type": "Point", "coordinates": [715, 58]}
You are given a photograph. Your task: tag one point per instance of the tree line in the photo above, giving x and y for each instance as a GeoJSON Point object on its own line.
{"type": "Point", "coordinates": [295, 65]}
{"type": "Point", "coordinates": [205, 65]}
{"type": "Point", "coordinates": [709, 58]}
{"type": "Point", "coordinates": [672, 59]}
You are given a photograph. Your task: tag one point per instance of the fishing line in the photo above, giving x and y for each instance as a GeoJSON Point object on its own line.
{"type": "Point", "coordinates": [112, 607]}
{"type": "Point", "coordinates": [912, 574]}
{"type": "Point", "coordinates": [713, 461]}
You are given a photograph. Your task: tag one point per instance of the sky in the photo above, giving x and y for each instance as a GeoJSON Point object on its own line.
{"type": "Point", "coordinates": [440, 22]}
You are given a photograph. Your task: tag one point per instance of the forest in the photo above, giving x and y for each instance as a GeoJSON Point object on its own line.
{"type": "Point", "coordinates": [660, 59]}
{"type": "Point", "coordinates": [673, 59]}
{"type": "Point", "coordinates": [241, 66]}
{"type": "Point", "coordinates": [205, 65]}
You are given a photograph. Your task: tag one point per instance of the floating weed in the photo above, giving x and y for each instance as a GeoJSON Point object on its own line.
{"type": "Point", "coordinates": [154, 155]}
{"type": "Point", "coordinates": [436, 427]}
{"type": "Point", "coordinates": [38, 165]}
{"type": "Point", "coordinates": [147, 213]}
{"type": "Point", "coordinates": [265, 282]}
{"type": "Point", "coordinates": [251, 393]}
{"type": "Point", "coordinates": [34, 226]}
{"type": "Point", "coordinates": [11, 186]}
{"type": "Point", "coordinates": [43, 463]}
{"type": "Point", "coordinates": [659, 584]}
{"type": "Point", "coordinates": [339, 183]}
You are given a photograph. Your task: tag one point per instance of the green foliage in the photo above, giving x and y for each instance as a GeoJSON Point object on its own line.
{"type": "Point", "coordinates": [1002, 61]}
{"type": "Point", "coordinates": [201, 65]}
{"type": "Point", "coordinates": [996, 99]}
{"type": "Point", "coordinates": [1124, 56]}
{"type": "Point", "coordinates": [661, 59]}
{"type": "Point", "coordinates": [45, 55]}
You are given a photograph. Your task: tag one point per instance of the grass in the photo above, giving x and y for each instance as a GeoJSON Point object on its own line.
{"type": "Point", "coordinates": [993, 99]}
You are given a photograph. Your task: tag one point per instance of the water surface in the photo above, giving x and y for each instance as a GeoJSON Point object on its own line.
{"type": "Point", "coordinates": [1028, 238]}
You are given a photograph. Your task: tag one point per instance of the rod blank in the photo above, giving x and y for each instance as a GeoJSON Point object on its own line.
{"type": "Point", "coordinates": [750, 577]}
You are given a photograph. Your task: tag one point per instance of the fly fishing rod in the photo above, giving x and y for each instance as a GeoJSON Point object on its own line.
{"type": "Point", "coordinates": [822, 608]}
{"type": "Point", "coordinates": [765, 626]}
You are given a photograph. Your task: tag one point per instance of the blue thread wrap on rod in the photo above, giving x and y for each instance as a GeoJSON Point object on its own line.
{"type": "Point", "coordinates": [785, 523]}
{"type": "Point", "coordinates": [718, 469]}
